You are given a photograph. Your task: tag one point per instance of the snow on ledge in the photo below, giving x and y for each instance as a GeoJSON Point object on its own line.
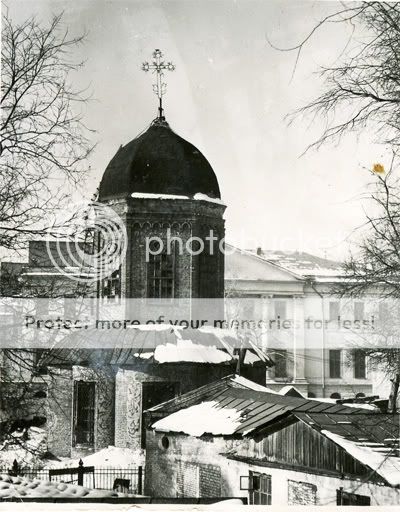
{"type": "Point", "coordinates": [144, 195]}
{"type": "Point", "coordinates": [197, 197]}
{"type": "Point", "coordinates": [204, 197]}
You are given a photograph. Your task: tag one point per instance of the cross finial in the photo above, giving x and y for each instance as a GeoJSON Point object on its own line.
{"type": "Point", "coordinates": [158, 65]}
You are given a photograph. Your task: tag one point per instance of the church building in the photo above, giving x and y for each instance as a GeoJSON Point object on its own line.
{"type": "Point", "coordinates": [163, 188]}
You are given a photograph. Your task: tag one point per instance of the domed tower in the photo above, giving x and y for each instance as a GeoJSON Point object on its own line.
{"type": "Point", "coordinates": [167, 194]}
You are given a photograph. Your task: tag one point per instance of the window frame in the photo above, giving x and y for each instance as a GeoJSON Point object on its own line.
{"type": "Point", "coordinates": [76, 412]}
{"type": "Point", "coordinates": [356, 374]}
{"type": "Point", "coordinates": [159, 260]}
{"type": "Point", "coordinates": [257, 492]}
{"type": "Point", "coordinates": [282, 357]}
{"type": "Point", "coordinates": [359, 499]}
{"type": "Point", "coordinates": [334, 304]}
{"type": "Point", "coordinates": [332, 362]}
{"type": "Point", "coordinates": [359, 305]}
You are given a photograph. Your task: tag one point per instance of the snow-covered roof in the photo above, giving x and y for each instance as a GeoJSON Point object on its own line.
{"type": "Point", "coordinates": [228, 410]}
{"type": "Point", "coordinates": [206, 417]}
{"type": "Point", "coordinates": [376, 457]}
{"type": "Point", "coordinates": [170, 344]}
{"type": "Point", "coordinates": [303, 263]}
{"type": "Point", "coordinates": [247, 266]}
{"type": "Point", "coordinates": [372, 439]}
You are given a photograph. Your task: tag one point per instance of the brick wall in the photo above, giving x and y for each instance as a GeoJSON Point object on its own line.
{"type": "Point", "coordinates": [59, 412]}
{"type": "Point", "coordinates": [301, 493]}
{"type": "Point", "coordinates": [187, 480]}
{"type": "Point", "coordinates": [184, 219]}
{"type": "Point", "coordinates": [209, 480]}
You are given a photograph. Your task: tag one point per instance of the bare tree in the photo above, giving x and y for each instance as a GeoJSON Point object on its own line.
{"type": "Point", "coordinates": [44, 148]}
{"type": "Point", "coordinates": [363, 88]}
{"type": "Point", "coordinates": [44, 141]}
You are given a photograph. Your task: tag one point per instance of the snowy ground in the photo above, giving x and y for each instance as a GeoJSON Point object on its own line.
{"type": "Point", "coordinates": [108, 457]}
{"type": "Point", "coordinates": [23, 446]}
{"type": "Point", "coordinates": [106, 507]}
{"type": "Point", "coordinates": [29, 448]}
{"type": "Point", "coordinates": [20, 487]}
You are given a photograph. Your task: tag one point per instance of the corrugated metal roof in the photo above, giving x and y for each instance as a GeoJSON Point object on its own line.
{"type": "Point", "coordinates": [376, 428]}
{"type": "Point", "coordinates": [256, 408]}
{"type": "Point", "coordinates": [204, 393]}
{"type": "Point", "coordinates": [372, 439]}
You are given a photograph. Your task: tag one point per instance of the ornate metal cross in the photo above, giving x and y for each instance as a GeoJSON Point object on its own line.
{"type": "Point", "coordinates": [158, 66]}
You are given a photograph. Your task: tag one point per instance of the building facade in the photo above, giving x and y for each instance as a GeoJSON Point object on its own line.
{"type": "Point", "coordinates": [323, 356]}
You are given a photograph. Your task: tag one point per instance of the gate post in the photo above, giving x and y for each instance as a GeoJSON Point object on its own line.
{"type": "Point", "coordinates": [80, 472]}
{"type": "Point", "coordinates": [140, 480]}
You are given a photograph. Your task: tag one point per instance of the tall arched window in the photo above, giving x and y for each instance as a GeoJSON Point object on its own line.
{"type": "Point", "coordinates": [160, 272]}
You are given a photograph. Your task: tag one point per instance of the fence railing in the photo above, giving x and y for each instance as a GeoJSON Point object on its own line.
{"type": "Point", "coordinates": [127, 480]}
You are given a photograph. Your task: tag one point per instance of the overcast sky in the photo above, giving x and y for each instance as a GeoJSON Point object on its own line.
{"type": "Point", "coordinates": [229, 96]}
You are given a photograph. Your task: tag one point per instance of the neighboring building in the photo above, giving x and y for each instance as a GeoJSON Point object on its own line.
{"type": "Point", "coordinates": [232, 438]}
{"type": "Point", "coordinates": [320, 359]}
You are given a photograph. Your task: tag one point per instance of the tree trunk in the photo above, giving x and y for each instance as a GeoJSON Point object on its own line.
{"type": "Point", "coordinates": [392, 405]}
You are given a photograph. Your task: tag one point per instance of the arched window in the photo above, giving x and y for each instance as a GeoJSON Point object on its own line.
{"type": "Point", "coordinates": [336, 396]}
{"type": "Point", "coordinates": [360, 395]}
{"type": "Point", "coordinates": [160, 272]}
{"type": "Point", "coordinates": [311, 395]}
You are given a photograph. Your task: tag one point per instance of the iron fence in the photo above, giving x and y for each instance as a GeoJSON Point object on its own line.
{"type": "Point", "coordinates": [127, 480]}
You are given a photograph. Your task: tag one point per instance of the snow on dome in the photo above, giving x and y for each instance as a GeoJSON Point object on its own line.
{"type": "Point", "coordinates": [203, 197]}
{"type": "Point", "coordinates": [198, 197]}
{"type": "Point", "coordinates": [142, 195]}
{"type": "Point", "coordinates": [214, 420]}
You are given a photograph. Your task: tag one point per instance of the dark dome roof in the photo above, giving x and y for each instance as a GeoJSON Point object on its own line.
{"type": "Point", "coordinates": [158, 162]}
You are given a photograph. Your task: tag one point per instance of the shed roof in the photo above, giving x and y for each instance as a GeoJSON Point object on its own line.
{"type": "Point", "coordinates": [372, 439]}
{"type": "Point", "coordinates": [245, 411]}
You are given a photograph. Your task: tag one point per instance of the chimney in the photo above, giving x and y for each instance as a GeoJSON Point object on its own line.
{"type": "Point", "coordinates": [259, 251]}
